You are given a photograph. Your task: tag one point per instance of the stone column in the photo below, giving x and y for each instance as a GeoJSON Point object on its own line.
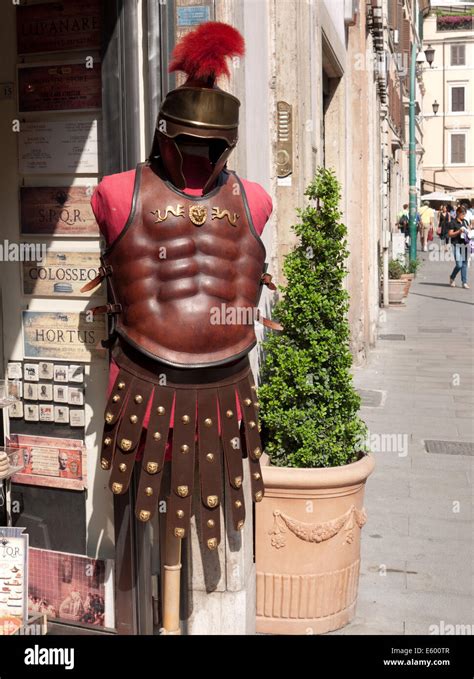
{"type": "Point", "coordinates": [218, 592]}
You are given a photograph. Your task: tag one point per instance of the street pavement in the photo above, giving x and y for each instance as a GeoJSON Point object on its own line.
{"type": "Point", "coordinates": [417, 546]}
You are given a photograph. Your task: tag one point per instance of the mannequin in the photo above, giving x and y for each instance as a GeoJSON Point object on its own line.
{"type": "Point", "coordinates": [183, 242]}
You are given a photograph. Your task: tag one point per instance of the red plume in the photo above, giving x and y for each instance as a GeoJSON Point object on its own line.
{"type": "Point", "coordinates": [202, 53]}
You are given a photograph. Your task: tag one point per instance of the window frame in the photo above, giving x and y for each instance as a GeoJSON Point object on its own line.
{"type": "Point", "coordinates": [457, 46]}
{"type": "Point", "coordinates": [457, 85]}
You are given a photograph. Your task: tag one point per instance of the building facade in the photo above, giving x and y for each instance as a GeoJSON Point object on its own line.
{"type": "Point", "coordinates": [449, 110]}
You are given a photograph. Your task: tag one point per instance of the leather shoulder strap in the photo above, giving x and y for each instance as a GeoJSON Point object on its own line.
{"type": "Point", "coordinates": [133, 208]}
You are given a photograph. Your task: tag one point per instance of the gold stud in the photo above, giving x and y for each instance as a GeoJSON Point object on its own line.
{"type": "Point", "coordinates": [109, 417]}
{"type": "Point", "coordinates": [210, 457]}
{"type": "Point", "coordinates": [184, 448]}
{"type": "Point", "coordinates": [117, 488]}
{"type": "Point", "coordinates": [256, 476]}
{"type": "Point", "coordinates": [138, 398]}
{"type": "Point", "coordinates": [183, 491]}
{"type": "Point", "coordinates": [210, 523]}
{"type": "Point", "coordinates": [229, 413]}
{"type": "Point", "coordinates": [116, 398]}
{"type": "Point", "coordinates": [105, 464]}
{"type": "Point", "coordinates": [212, 501]}
{"type": "Point", "coordinates": [256, 404]}
{"type": "Point", "coordinates": [121, 385]}
{"type": "Point", "coordinates": [152, 467]}
{"type": "Point", "coordinates": [238, 481]}
{"type": "Point", "coordinates": [259, 427]}
{"type": "Point", "coordinates": [148, 491]}
{"type": "Point", "coordinates": [238, 504]}
{"type": "Point", "coordinates": [125, 445]}
{"type": "Point", "coordinates": [212, 543]}
{"type": "Point", "coordinates": [107, 441]}
{"type": "Point", "coordinates": [253, 387]}
{"type": "Point", "coordinates": [252, 424]}
{"type": "Point", "coordinates": [185, 419]}
{"type": "Point", "coordinates": [179, 532]}
{"type": "Point", "coordinates": [257, 452]}
{"type": "Point", "coordinates": [144, 515]}
{"type": "Point", "coordinates": [123, 467]}
{"type": "Point", "coordinates": [180, 513]}
{"type": "Point", "coordinates": [258, 496]}
{"type": "Point", "coordinates": [133, 419]}
{"type": "Point", "coordinates": [240, 525]}
{"type": "Point", "coordinates": [161, 410]}
{"type": "Point", "coordinates": [208, 422]}
{"type": "Point", "coordinates": [248, 401]}
{"type": "Point", "coordinates": [157, 436]}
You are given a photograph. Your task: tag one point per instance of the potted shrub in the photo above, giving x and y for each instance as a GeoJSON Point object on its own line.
{"type": "Point", "coordinates": [409, 274]}
{"type": "Point", "coordinates": [396, 285]}
{"type": "Point", "coordinates": [308, 524]}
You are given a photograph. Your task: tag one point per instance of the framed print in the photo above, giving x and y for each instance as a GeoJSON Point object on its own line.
{"type": "Point", "coordinates": [13, 579]}
{"type": "Point", "coordinates": [31, 391]}
{"type": "Point", "coordinates": [31, 412]}
{"type": "Point", "coordinates": [77, 418]}
{"type": "Point", "coordinates": [59, 87]}
{"type": "Point", "coordinates": [72, 588]}
{"type": "Point", "coordinates": [46, 370]}
{"type": "Point", "coordinates": [31, 372]}
{"type": "Point", "coordinates": [61, 373]}
{"type": "Point", "coordinates": [45, 392]}
{"type": "Point", "coordinates": [62, 335]}
{"type": "Point", "coordinates": [61, 27]}
{"type": "Point", "coordinates": [57, 210]}
{"type": "Point", "coordinates": [61, 414]}
{"type": "Point", "coordinates": [76, 373]}
{"type": "Point", "coordinates": [58, 147]}
{"type": "Point", "coordinates": [15, 411]}
{"type": "Point", "coordinates": [76, 396]}
{"type": "Point", "coordinates": [61, 274]}
{"type": "Point", "coordinates": [15, 370]}
{"type": "Point", "coordinates": [61, 393]}
{"type": "Point", "coordinates": [50, 461]}
{"type": "Point", "coordinates": [46, 413]}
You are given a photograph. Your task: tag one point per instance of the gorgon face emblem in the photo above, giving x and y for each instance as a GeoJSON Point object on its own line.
{"type": "Point", "coordinates": [198, 214]}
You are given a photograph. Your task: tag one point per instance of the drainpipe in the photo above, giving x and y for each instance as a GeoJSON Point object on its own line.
{"type": "Point", "coordinates": [435, 172]}
{"type": "Point", "coordinates": [412, 154]}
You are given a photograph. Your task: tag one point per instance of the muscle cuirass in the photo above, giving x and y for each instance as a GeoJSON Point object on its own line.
{"type": "Point", "coordinates": [186, 273]}
{"type": "Point", "coordinates": [185, 277]}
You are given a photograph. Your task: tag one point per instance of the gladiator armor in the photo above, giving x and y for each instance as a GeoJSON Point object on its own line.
{"type": "Point", "coordinates": [184, 279]}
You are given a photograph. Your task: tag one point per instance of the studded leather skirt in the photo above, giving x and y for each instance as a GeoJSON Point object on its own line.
{"type": "Point", "coordinates": [197, 410]}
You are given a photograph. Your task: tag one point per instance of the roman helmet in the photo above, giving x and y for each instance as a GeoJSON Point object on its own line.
{"type": "Point", "coordinates": [199, 109]}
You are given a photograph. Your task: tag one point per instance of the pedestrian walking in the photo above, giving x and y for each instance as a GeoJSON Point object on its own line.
{"type": "Point", "coordinates": [459, 234]}
{"type": "Point", "coordinates": [426, 223]}
{"type": "Point", "coordinates": [403, 220]}
{"type": "Point", "coordinates": [444, 222]}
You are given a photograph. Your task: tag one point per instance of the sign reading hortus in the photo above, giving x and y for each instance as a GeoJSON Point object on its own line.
{"type": "Point", "coordinates": [58, 210]}
{"type": "Point", "coordinates": [63, 335]}
{"type": "Point", "coordinates": [59, 27]}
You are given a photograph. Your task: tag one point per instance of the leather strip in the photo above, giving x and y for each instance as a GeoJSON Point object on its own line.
{"type": "Point", "coordinates": [154, 453]}
{"type": "Point", "coordinates": [182, 462]}
{"type": "Point", "coordinates": [232, 453]}
{"type": "Point", "coordinates": [103, 272]}
{"type": "Point", "coordinates": [210, 466]}
{"type": "Point", "coordinates": [129, 434]}
{"type": "Point", "coordinates": [248, 400]}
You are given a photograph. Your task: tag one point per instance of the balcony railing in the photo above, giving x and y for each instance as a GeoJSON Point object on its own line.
{"type": "Point", "coordinates": [454, 22]}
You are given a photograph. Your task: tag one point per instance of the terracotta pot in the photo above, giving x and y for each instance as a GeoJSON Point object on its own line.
{"type": "Point", "coordinates": [396, 291]}
{"type": "Point", "coordinates": [308, 547]}
{"type": "Point", "coordinates": [408, 278]}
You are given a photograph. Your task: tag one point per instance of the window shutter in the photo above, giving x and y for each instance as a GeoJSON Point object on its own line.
{"type": "Point", "coordinates": [458, 55]}
{"type": "Point", "coordinates": [458, 148]}
{"type": "Point", "coordinates": [457, 99]}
